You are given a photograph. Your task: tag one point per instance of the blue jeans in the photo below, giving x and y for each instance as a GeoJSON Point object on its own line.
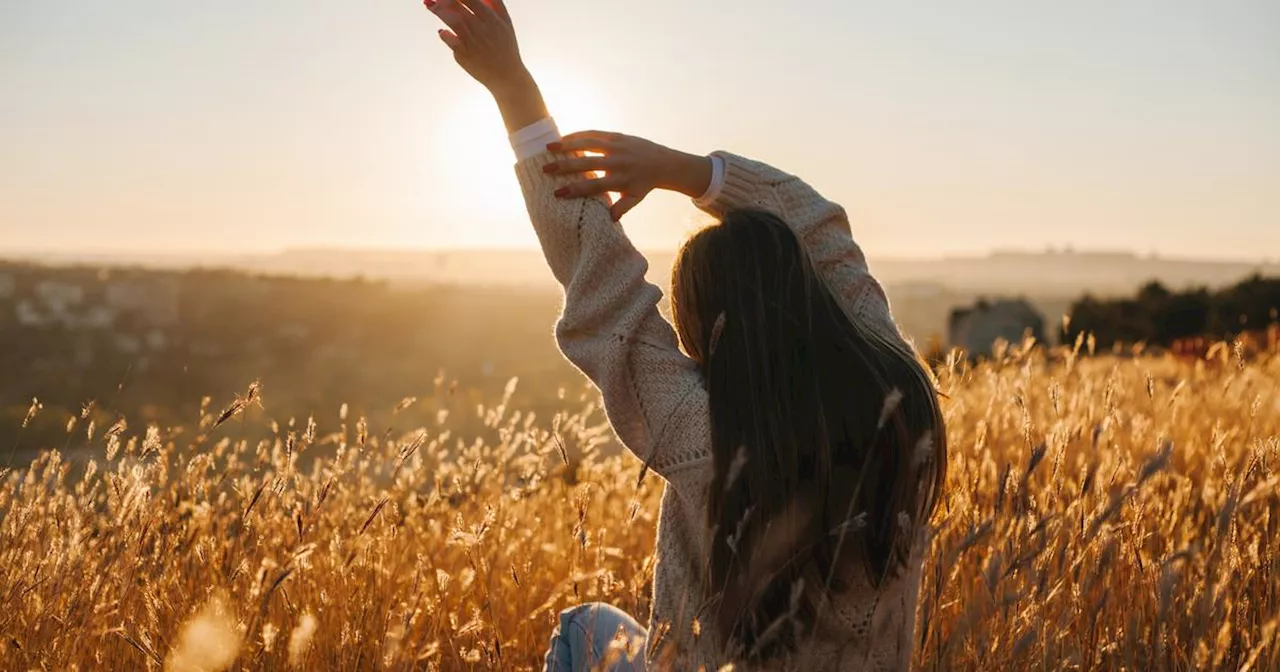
{"type": "Point", "coordinates": [582, 642]}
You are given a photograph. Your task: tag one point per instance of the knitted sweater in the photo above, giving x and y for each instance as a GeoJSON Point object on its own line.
{"type": "Point", "coordinates": [655, 399]}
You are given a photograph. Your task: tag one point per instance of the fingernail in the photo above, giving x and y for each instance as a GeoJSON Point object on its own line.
{"type": "Point", "coordinates": [562, 192]}
{"type": "Point", "coordinates": [553, 146]}
{"type": "Point", "coordinates": [550, 168]}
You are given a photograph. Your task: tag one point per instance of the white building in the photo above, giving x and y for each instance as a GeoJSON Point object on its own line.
{"type": "Point", "coordinates": [97, 317]}
{"type": "Point", "coordinates": [976, 329]}
{"type": "Point", "coordinates": [59, 297]}
{"type": "Point", "coordinates": [157, 340]}
{"type": "Point", "coordinates": [128, 343]}
{"type": "Point", "coordinates": [156, 300]}
{"type": "Point", "coordinates": [29, 315]}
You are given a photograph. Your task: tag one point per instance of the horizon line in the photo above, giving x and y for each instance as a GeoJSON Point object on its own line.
{"type": "Point", "coordinates": [224, 255]}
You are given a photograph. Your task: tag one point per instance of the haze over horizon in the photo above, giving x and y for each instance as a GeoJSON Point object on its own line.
{"type": "Point", "coordinates": [148, 127]}
{"type": "Point", "coordinates": [176, 254]}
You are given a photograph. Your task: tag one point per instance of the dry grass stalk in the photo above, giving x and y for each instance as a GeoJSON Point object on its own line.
{"type": "Point", "coordinates": [1101, 513]}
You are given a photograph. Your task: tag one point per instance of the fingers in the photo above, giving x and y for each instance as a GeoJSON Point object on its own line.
{"type": "Point", "coordinates": [585, 188]}
{"type": "Point", "coordinates": [500, 8]}
{"type": "Point", "coordinates": [593, 134]}
{"type": "Point", "coordinates": [450, 39]}
{"type": "Point", "coordinates": [623, 206]}
{"type": "Point", "coordinates": [480, 9]}
{"type": "Point", "coordinates": [453, 15]}
{"type": "Point", "coordinates": [469, 21]}
{"type": "Point", "coordinates": [584, 164]}
{"type": "Point", "coordinates": [586, 141]}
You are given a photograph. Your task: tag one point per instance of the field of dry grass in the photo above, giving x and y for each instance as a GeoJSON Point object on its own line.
{"type": "Point", "coordinates": [1102, 513]}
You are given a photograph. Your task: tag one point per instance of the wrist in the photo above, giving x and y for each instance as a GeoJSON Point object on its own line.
{"type": "Point", "coordinates": [688, 174]}
{"type": "Point", "coordinates": [519, 100]}
{"type": "Point", "coordinates": [514, 86]}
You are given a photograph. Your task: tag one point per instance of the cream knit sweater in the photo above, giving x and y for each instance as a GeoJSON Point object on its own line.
{"type": "Point", "coordinates": [654, 397]}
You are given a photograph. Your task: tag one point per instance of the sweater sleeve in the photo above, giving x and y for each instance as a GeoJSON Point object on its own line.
{"type": "Point", "coordinates": [821, 226]}
{"type": "Point", "coordinates": [611, 330]}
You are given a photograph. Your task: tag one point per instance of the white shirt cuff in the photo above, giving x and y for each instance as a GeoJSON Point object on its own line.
{"type": "Point", "coordinates": [717, 181]}
{"type": "Point", "coordinates": [532, 140]}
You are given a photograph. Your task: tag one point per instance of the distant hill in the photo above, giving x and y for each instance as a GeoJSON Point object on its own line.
{"type": "Point", "coordinates": [1055, 273]}
{"type": "Point", "coordinates": [1067, 272]}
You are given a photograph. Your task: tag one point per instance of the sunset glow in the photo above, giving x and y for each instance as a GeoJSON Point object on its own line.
{"type": "Point", "coordinates": [469, 142]}
{"type": "Point", "coordinates": [945, 128]}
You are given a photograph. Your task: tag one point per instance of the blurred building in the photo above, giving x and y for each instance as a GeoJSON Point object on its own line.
{"type": "Point", "coordinates": [73, 300]}
{"type": "Point", "coordinates": [977, 328]}
{"type": "Point", "coordinates": [155, 300]}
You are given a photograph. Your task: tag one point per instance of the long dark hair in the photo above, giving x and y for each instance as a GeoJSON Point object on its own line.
{"type": "Point", "coordinates": [828, 441]}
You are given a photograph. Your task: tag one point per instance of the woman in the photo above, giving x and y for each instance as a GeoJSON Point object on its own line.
{"type": "Point", "coordinates": [799, 437]}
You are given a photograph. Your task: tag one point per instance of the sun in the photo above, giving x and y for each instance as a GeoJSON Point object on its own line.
{"type": "Point", "coordinates": [473, 158]}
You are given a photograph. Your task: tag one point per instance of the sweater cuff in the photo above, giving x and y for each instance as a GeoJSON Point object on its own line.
{"type": "Point", "coordinates": [532, 140]}
{"type": "Point", "coordinates": [717, 182]}
{"type": "Point", "coordinates": [739, 185]}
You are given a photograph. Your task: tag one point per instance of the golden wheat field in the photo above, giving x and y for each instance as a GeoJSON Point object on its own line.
{"type": "Point", "coordinates": [1117, 512]}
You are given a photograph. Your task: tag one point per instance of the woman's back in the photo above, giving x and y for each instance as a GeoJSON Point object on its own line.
{"type": "Point", "coordinates": [799, 439]}
{"type": "Point", "coordinates": [864, 627]}
{"type": "Point", "coordinates": [659, 403]}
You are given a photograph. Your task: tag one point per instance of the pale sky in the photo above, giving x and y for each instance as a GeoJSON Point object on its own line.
{"type": "Point", "coordinates": [944, 127]}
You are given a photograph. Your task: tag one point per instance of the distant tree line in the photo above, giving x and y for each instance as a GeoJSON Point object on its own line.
{"type": "Point", "coordinates": [1158, 316]}
{"type": "Point", "coordinates": [314, 344]}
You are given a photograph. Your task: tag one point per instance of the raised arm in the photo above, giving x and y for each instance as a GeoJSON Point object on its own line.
{"type": "Point", "coordinates": [822, 227]}
{"type": "Point", "coordinates": [726, 182]}
{"type": "Point", "coordinates": [610, 327]}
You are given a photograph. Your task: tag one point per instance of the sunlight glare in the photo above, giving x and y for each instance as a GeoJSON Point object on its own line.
{"type": "Point", "coordinates": [470, 143]}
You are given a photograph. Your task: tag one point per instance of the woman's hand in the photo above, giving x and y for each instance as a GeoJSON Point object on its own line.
{"type": "Point", "coordinates": [632, 167]}
{"type": "Point", "coordinates": [483, 41]}
{"type": "Point", "coordinates": [482, 38]}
